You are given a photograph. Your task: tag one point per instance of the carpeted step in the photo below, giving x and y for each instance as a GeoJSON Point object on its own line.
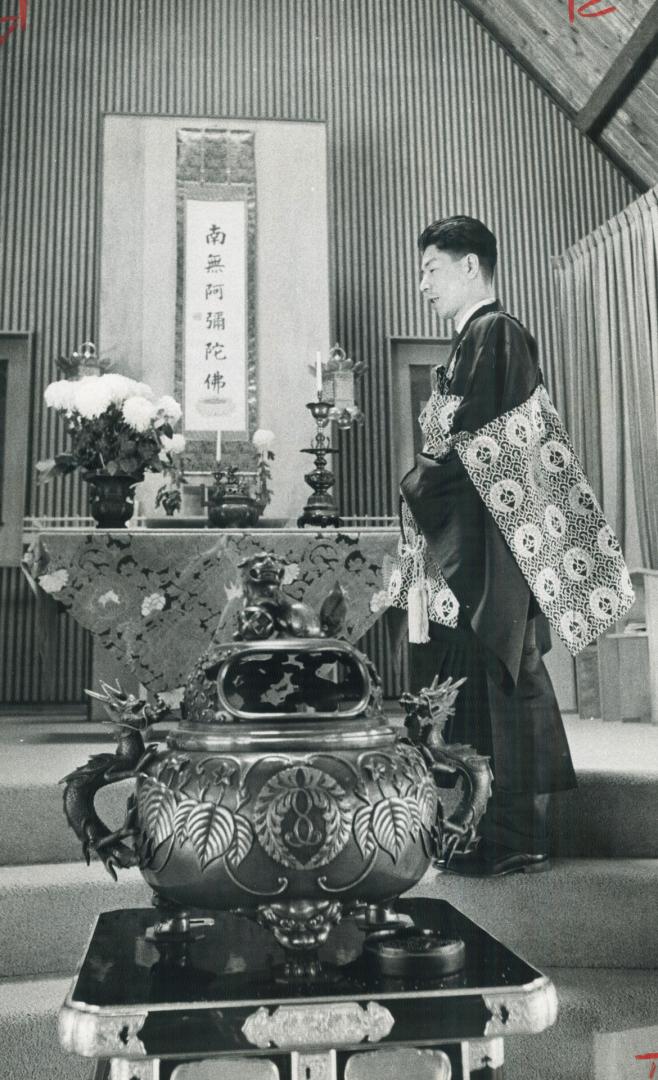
{"type": "Point", "coordinates": [36, 755]}
{"type": "Point", "coordinates": [35, 829]}
{"type": "Point", "coordinates": [47, 912]}
{"type": "Point", "coordinates": [605, 1017]}
{"type": "Point", "coordinates": [29, 1047]}
{"type": "Point", "coordinates": [612, 813]}
{"type": "Point", "coordinates": [609, 816]}
{"type": "Point", "coordinates": [583, 913]}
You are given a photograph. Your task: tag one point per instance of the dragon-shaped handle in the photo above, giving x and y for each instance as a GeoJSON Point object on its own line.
{"type": "Point", "coordinates": [132, 717]}
{"type": "Point", "coordinates": [427, 713]}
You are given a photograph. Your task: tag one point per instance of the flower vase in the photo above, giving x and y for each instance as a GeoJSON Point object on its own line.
{"type": "Point", "coordinates": [111, 499]}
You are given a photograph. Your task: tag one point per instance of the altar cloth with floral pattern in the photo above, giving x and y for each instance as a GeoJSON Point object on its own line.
{"type": "Point", "coordinates": [156, 598]}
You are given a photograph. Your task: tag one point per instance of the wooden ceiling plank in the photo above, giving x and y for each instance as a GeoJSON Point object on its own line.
{"type": "Point", "coordinates": [569, 62]}
{"type": "Point", "coordinates": [627, 68]}
{"type": "Point", "coordinates": [484, 12]}
{"type": "Point", "coordinates": [501, 34]}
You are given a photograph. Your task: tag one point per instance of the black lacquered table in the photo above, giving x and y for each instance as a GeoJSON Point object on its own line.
{"type": "Point", "coordinates": [217, 1007]}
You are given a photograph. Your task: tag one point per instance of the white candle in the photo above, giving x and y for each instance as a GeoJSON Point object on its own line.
{"type": "Point", "coordinates": [318, 372]}
{"type": "Point", "coordinates": [218, 450]}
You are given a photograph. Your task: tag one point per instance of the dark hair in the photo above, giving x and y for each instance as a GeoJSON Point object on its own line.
{"type": "Point", "coordinates": [461, 235]}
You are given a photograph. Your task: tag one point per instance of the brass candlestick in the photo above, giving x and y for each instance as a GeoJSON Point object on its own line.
{"type": "Point", "coordinates": [321, 509]}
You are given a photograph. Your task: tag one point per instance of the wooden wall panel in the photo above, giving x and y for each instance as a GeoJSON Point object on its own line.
{"type": "Point", "coordinates": [426, 116]}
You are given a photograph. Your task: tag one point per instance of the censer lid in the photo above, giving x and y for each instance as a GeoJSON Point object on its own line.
{"type": "Point", "coordinates": [286, 663]}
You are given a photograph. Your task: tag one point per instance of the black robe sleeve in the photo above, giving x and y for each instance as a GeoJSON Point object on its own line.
{"type": "Point", "coordinates": [496, 370]}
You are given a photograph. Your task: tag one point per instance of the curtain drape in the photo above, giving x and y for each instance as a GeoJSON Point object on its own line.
{"type": "Point", "coordinates": [605, 376]}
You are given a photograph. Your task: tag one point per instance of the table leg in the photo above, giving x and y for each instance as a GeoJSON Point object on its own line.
{"type": "Point", "coordinates": [318, 1066]}
{"type": "Point", "coordinates": [484, 1059]}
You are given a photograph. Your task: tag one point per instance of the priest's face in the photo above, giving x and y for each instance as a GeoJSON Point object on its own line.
{"type": "Point", "coordinates": [445, 281]}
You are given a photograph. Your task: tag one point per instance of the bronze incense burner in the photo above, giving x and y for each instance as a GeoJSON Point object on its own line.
{"type": "Point", "coordinates": [284, 792]}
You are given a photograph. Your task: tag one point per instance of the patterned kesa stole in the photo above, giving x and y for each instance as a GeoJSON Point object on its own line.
{"type": "Point", "coordinates": [527, 473]}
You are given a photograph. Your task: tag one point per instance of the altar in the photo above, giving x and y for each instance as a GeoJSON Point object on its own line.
{"type": "Point", "coordinates": [153, 598]}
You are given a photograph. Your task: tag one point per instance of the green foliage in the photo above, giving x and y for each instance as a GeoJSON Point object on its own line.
{"type": "Point", "coordinates": [264, 476]}
{"type": "Point", "coordinates": [107, 444]}
{"type": "Point", "coordinates": [169, 498]}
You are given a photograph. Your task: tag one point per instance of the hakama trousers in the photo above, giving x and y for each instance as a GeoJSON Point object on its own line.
{"type": "Point", "coordinates": [520, 729]}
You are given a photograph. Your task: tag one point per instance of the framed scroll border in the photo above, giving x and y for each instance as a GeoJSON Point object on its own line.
{"type": "Point", "coordinates": [211, 185]}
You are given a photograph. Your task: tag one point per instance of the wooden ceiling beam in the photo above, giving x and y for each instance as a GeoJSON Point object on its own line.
{"type": "Point", "coordinates": [626, 70]}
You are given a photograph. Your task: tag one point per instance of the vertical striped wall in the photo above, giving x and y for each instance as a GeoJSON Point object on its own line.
{"type": "Point", "coordinates": [44, 655]}
{"type": "Point", "coordinates": [426, 116]}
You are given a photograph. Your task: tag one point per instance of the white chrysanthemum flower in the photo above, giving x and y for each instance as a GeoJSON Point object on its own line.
{"type": "Point", "coordinates": [92, 396]}
{"type": "Point", "coordinates": [117, 388]}
{"type": "Point", "coordinates": [262, 440]}
{"type": "Point", "coordinates": [173, 445]}
{"type": "Point", "coordinates": [138, 412]}
{"type": "Point", "coordinates": [55, 581]}
{"type": "Point", "coordinates": [60, 395]}
{"type": "Point", "coordinates": [169, 408]}
{"type": "Point", "coordinates": [143, 389]}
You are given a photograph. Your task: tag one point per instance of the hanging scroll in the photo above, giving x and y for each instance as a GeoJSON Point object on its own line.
{"type": "Point", "coordinates": [216, 361]}
{"type": "Point", "coordinates": [215, 326]}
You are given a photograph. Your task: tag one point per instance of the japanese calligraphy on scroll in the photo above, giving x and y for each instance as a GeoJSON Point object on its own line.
{"type": "Point", "coordinates": [215, 320]}
{"type": "Point", "coordinates": [215, 368]}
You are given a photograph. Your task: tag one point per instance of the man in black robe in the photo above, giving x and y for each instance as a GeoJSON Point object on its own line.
{"type": "Point", "coordinates": [507, 707]}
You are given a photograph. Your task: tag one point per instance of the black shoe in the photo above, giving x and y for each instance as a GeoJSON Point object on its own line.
{"type": "Point", "coordinates": [495, 862]}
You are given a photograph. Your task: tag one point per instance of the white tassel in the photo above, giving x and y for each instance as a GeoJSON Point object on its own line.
{"type": "Point", "coordinates": [419, 623]}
